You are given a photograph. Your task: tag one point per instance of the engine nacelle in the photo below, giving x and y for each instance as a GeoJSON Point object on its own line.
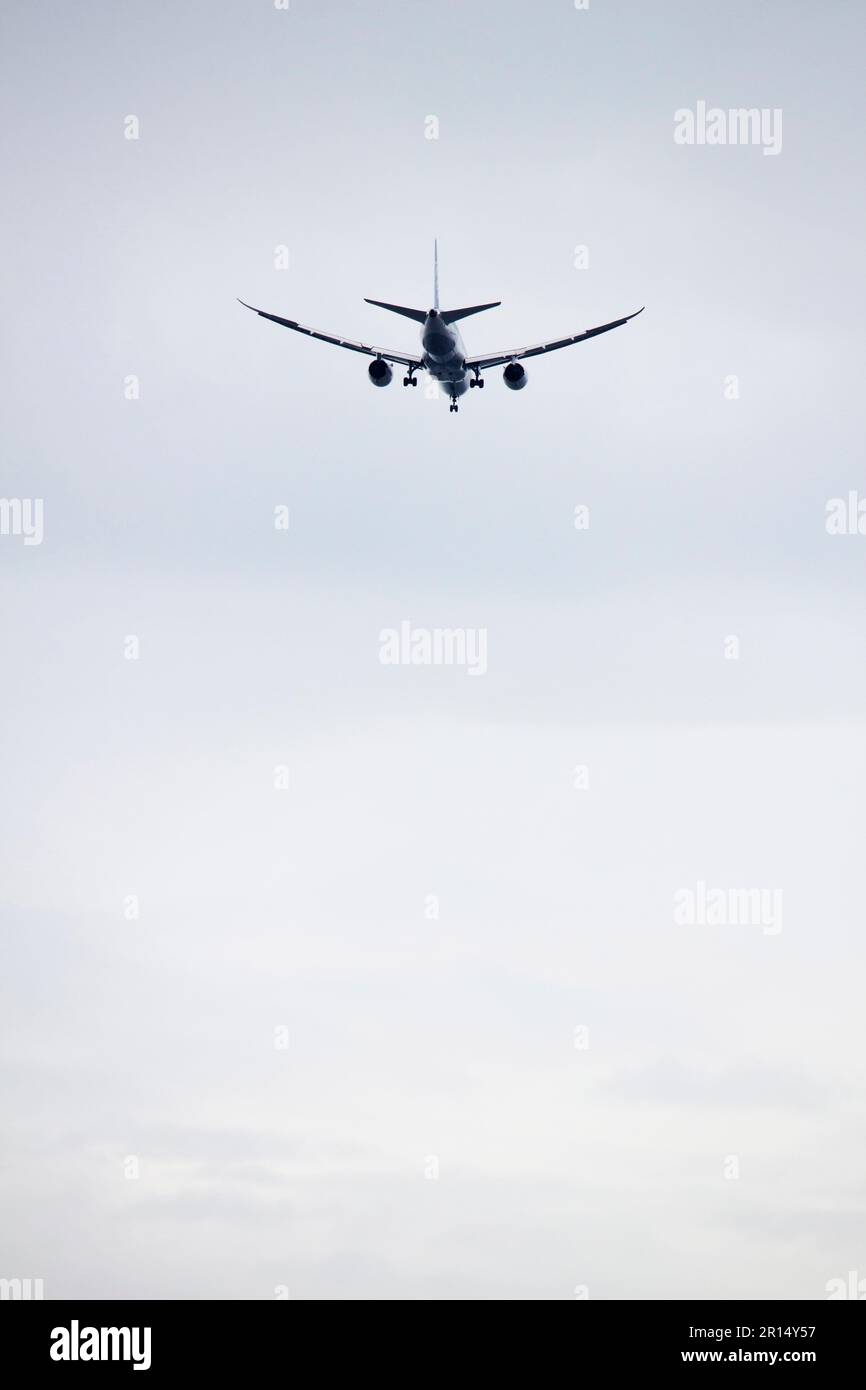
{"type": "Point", "coordinates": [514, 376]}
{"type": "Point", "coordinates": [379, 372]}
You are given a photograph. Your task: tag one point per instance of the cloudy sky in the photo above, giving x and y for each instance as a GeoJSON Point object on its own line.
{"type": "Point", "coordinates": [366, 981]}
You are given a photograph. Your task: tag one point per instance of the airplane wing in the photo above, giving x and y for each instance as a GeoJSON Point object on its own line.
{"type": "Point", "coordinates": [406, 359]}
{"type": "Point", "coordinates": [500, 358]}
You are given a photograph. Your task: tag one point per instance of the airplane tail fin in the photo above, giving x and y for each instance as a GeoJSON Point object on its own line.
{"type": "Point", "coordinates": [452, 315]}
{"type": "Point", "coordinates": [420, 315]}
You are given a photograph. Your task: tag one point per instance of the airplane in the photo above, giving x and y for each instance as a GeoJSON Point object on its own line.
{"type": "Point", "coordinates": [443, 354]}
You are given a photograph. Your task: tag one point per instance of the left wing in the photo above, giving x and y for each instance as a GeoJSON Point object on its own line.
{"type": "Point", "coordinates": [500, 358]}
{"type": "Point", "coordinates": [406, 359]}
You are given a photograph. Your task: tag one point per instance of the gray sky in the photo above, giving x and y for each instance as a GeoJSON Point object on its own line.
{"type": "Point", "coordinates": [414, 1037]}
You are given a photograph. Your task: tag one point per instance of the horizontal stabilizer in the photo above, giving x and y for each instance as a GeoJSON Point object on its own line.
{"type": "Point", "coordinates": [452, 315]}
{"type": "Point", "coordinates": [419, 315]}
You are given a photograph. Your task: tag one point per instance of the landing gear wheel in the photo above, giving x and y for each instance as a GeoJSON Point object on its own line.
{"type": "Point", "coordinates": [480, 383]}
{"type": "Point", "coordinates": [414, 380]}
{"type": "Point", "coordinates": [472, 383]}
{"type": "Point", "coordinates": [406, 380]}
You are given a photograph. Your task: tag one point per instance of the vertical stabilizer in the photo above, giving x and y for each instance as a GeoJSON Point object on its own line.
{"type": "Point", "coordinates": [435, 274]}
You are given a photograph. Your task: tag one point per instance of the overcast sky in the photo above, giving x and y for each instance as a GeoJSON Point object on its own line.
{"type": "Point", "coordinates": [510, 1071]}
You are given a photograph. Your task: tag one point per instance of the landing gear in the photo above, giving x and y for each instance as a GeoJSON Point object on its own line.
{"type": "Point", "coordinates": [410, 379]}
{"type": "Point", "coordinates": [454, 406]}
{"type": "Point", "coordinates": [477, 379]}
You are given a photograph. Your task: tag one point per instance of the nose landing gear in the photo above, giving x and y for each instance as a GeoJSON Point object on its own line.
{"type": "Point", "coordinates": [453, 406]}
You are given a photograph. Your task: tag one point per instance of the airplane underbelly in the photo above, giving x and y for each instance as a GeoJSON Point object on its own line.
{"type": "Point", "coordinates": [448, 369]}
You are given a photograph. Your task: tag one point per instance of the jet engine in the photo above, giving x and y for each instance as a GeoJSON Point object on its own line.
{"type": "Point", "coordinates": [380, 373]}
{"type": "Point", "coordinates": [514, 376]}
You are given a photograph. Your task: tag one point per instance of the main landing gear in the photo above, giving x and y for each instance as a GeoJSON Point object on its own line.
{"type": "Point", "coordinates": [477, 380]}
{"type": "Point", "coordinates": [410, 379]}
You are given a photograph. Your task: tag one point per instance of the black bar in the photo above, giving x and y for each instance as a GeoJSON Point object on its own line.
{"type": "Point", "coordinates": [220, 1339]}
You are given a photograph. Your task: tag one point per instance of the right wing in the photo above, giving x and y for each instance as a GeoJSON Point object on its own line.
{"type": "Point", "coordinates": [499, 359]}
{"type": "Point", "coordinates": [406, 359]}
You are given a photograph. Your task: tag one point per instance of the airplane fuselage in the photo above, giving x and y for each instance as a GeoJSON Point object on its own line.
{"type": "Point", "coordinates": [444, 355]}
